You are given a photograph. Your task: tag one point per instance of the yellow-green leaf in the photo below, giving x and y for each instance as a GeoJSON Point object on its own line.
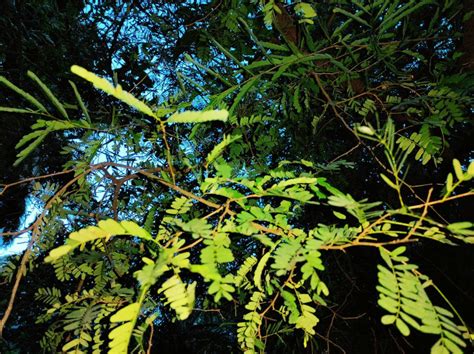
{"type": "Point", "coordinates": [257, 278]}
{"type": "Point", "coordinates": [71, 344]}
{"type": "Point", "coordinates": [458, 169]}
{"type": "Point", "coordinates": [388, 319]}
{"type": "Point", "coordinates": [135, 230]}
{"type": "Point", "coordinates": [116, 91]}
{"type": "Point", "coordinates": [402, 327]}
{"type": "Point", "coordinates": [128, 313]}
{"type": "Point", "coordinates": [58, 253]}
{"type": "Point", "coordinates": [449, 182]}
{"type": "Point", "coordinates": [198, 116]}
{"type": "Point", "coordinates": [306, 10]}
{"type": "Point", "coordinates": [470, 169]}
{"type": "Point", "coordinates": [388, 181]}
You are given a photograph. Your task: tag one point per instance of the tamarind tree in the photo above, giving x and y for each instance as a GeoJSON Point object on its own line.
{"type": "Point", "coordinates": [219, 214]}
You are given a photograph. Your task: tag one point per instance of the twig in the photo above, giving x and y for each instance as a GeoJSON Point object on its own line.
{"type": "Point", "coordinates": [422, 217]}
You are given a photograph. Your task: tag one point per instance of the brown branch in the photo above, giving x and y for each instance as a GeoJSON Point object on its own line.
{"type": "Point", "coordinates": [440, 201]}
{"type": "Point", "coordinates": [29, 179]}
{"type": "Point", "coordinates": [16, 233]}
{"type": "Point", "coordinates": [34, 236]}
{"type": "Point", "coordinates": [345, 153]}
{"type": "Point", "coordinates": [150, 340]}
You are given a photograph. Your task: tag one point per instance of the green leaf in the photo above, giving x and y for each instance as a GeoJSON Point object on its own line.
{"type": "Point", "coordinates": [28, 150]}
{"type": "Point", "coordinates": [453, 347]}
{"type": "Point", "coordinates": [355, 17]}
{"type": "Point", "coordinates": [71, 344]}
{"type": "Point", "coordinates": [243, 91]}
{"type": "Point", "coordinates": [132, 228]}
{"type": "Point", "coordinates": [398, 251]}
{"type": "Point", "coordinates": [198, 116]}
{"type": "Point", "coordinates": [59, 106]}
{"type": "Point", "coordinates": [22, 93]}
{"type": "Point", "coordinates": [16, 110]}
{"type": "Point", "coordinates": [80, 101]}
{"type": "Point", "coordinates": [389, 182]}
{"type": "Point", "coordinates": [219, 148]}
{"type": "Point", "coordinates": [460, 227]}
{"type": "Point", "coordinates": [339, 215]}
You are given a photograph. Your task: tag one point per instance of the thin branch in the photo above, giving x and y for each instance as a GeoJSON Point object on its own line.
{"type": "Point", "coordinates": [34, 236]}
{"type": "Point", "coordinates": [29, 179]}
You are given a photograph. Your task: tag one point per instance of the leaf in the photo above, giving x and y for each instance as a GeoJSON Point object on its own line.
{"type": "Point", "coordinates": [16, 110]}
{"type": "Point", "coordinates": [365, 130]}
{"type": "Point", "coordinates": [460, 227]}
{"type": "Point", "coordinates": [219, 148]}
{"type": "Point", "coordinates": [180, 298]}
{"type": "Point", "coordinates": [71, 344]}
{"type": "Point", "coordinates": [398, 251]}
{"type": "Point", "coordinates": [402, 327]}
{"type": "Point", "coordinates": [470, 169]}
{"type": "Point", "coordinates": [243, 91]}
{"type": "Point", "coordinates": [305, 9]}
{"type": "Point", "coordinates": [257, 278]}
{"type": "Point", "coordinates": [198, 116]}
{"type": "Point", "coordinates": [28, 150]}
{"type": "Point", "coordinates": [355, 17]}
{"type": "Point", "coordinates": [58, 253]}
{"type": "Point", "coordinates": [22, 93]}
{"type": "Point", "coordinates": [111, 227]}
{"type": "Point", "coordinates": [339, 215]}
{"type": "Point", "coordinates": [49, 94]}
{"type": "Point", "coordinates": [449, 182]}
{"type": "Point", "coordinates": [388, 304]}
{"type": "Point", "coordinates": [31, 136]}
{"type": "Point", "coordinates": [388, 319]}
{"type": "Point", "coordinates": [298, 180]}
{"type": "Point", "coordinates": [274, 46]}
{"type": "Point", "coordinates": [79, 100]}
{"type": "Point", "coordinates": [388, 181]}
{"type": "Point", "coordinates": [120, 337]}
{"type": "Point", "coordinates": [135, 230]}
{"type": "Point", "coordinates": [128, 313]}
{"type": "Point", "coordinates": [105, 229]}
{"type": "Point", "coordinates": [458, 169]}
{"type": "Point", "coordinates": [117, 91]}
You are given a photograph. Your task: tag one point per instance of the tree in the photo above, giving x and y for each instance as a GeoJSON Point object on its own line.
{"type": "Point", "coordinates": [218, 211]}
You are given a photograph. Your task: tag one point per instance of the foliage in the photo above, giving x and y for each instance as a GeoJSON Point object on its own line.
{"type": "Point", "coordinates": [224, 201]}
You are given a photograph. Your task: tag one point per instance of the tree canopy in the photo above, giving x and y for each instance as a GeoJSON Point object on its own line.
{"type": "Point", "coordinates": [255, 176]}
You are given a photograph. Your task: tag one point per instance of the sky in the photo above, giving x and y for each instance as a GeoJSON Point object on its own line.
{"type": "Point", "coordinates": [20, 243]}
